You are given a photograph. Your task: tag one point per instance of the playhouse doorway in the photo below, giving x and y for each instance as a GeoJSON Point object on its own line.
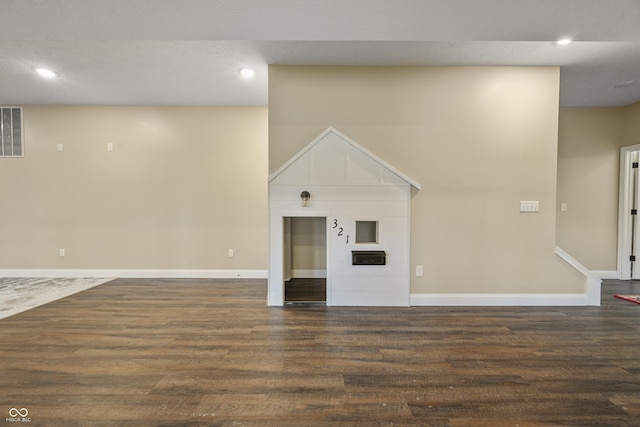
{"type": "Point", "coordinates": [305, 260]}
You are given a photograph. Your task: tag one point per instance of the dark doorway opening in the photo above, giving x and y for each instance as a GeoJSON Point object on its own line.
{"type": "Point", "coordinates": [305, 260]}
{"type": "Point", "coordinates": [302, 290]}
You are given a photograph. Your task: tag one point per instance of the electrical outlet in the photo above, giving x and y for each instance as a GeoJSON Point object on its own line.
{"type": "Point", "coordinates": [109, 147]}
{"type": "Point", "coordinates": [563, 207]}
{"type": "Point", "coordinates": [62, 252]}
{"type": "Point", "coordinates": [230, 253]}
{"type": "Point", "coordinates": [419, 270]}
{"type": "Point", "coordinates": [59, 147]}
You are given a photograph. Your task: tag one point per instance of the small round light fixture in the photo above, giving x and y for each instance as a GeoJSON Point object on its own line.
{"type": "Point", "coordinates": [247, 73]}
{"type": "Point", "coordinates": [305, 198]}
{"type": "Point", "coordinates": [564, 42]}
{"type": "Point", "coordinates": [46, 73]}
{"type": "Point", "coordinates": [624, 84]}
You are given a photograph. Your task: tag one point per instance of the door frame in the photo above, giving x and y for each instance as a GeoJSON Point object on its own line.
{"type": "Point", "coordinates": [625, 199]}
{"type": "Point", "coordinates": [275, 285]}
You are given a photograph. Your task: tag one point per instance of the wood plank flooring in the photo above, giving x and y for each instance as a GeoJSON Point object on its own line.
{"type": "Point", "coordinates": [210, 353]}
{"type": "Point", "coordinates": [305, 290]}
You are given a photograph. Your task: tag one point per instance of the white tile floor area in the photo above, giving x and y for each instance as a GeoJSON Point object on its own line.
{"type": "Point", "coordinates": [22, 294]}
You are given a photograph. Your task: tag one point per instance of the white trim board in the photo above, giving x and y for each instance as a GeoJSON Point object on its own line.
{"type": "Point", "coordinates": [605, 274]}
{"type": "Point", "coordinates": [498, 300]}
{"type": "Point", "coordinates": [142, 274]}
{"type": "Point", "coordinates": [592, 283]}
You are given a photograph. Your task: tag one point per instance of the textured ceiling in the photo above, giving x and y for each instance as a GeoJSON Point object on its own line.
{"type": "Point", "coordinates": [188, 52]}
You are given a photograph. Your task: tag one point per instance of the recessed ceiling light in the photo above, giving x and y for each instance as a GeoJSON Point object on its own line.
{"type": "Point", "coordinates": [247, 73]}
{"type": "Point", "coordinates": [564, 42]}
{"type": "Point", "coordinates": [624, 84]}
{"type": "Point", "coordinates": [44, 72]}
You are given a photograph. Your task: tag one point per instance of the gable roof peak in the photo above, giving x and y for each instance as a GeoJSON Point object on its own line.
{"type": "Point", "coordinates": [349, 141]}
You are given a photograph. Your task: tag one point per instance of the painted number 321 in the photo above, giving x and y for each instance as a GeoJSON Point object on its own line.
{"type": "Point", "coordinates": [340, 230]}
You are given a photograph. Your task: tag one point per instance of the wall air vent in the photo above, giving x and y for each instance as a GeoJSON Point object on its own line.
{"type": "Point", "coordinates": [11, 135]}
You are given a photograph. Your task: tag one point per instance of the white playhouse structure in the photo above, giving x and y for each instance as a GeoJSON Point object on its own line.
{"type": "Point", "coordinates": [365, 205]}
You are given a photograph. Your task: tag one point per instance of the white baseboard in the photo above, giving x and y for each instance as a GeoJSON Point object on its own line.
{"type": "Point", "coordinates": [591, 296]}
{"type": "Point", "coordinates": [498, 299]}
{"type": "Point", "coordinates": [309, 274]}
{"type": "Point", "coordinates": [605, 274]}
{"type": "Point", "coordinates": [142, 274]}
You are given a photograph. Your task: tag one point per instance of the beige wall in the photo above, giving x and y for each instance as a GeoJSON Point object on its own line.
{"type": "Point", "coordinates": [309, 243]}
{"type": "Point", "coordinates": [631, 133]}
{"type": "Point", "coordinates": [588, 177]}
{"type": "Point", "coordinates": [588, 162]}
{"type": "Point", "coordinates": [182, 186]}
{"type": "Point", "coordinates": [478, 139]}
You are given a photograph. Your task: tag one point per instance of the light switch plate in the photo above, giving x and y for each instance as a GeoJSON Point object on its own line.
{"type": "Point", "coordinates": [529, 206]}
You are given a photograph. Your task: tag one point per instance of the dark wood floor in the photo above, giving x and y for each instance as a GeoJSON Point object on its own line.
{"type": "Point", "coordinates": [210, 353]}
{"type": "Point", "coordinates": [301, 290]}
